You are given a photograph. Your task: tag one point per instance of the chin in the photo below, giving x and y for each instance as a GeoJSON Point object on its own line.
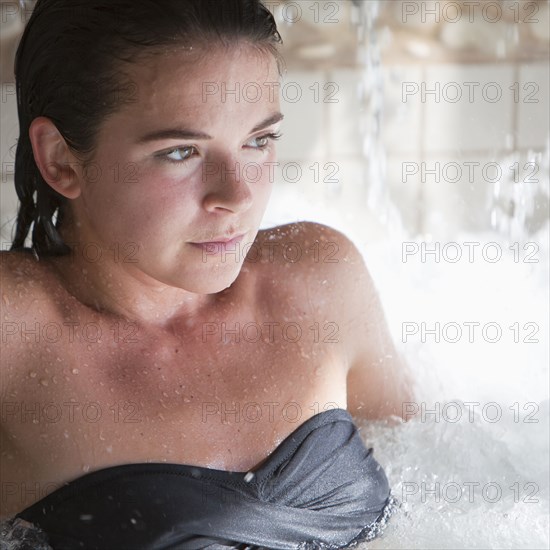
{"type": "Point", "coordinates": [214, 283]}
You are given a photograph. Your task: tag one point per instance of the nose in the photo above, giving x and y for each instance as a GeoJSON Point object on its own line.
{"type": "Point", "coordinates": [227, 188]}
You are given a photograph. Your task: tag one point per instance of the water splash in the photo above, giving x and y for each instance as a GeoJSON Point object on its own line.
{"type": "Point", "coordinates": [447, 487]}
{"type": "Point", "coordinates": [514, 201]}
{"type": "Point", "coordinates": [371, 93]}
{"type": "Point", "coordinates": [18, 534]}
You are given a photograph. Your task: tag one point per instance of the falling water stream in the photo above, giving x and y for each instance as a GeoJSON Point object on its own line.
{"type": "Point", "coordinates": [371, 92]}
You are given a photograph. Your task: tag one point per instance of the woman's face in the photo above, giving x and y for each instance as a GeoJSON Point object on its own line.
{"type": "Point", "coordinates": [186, 162]}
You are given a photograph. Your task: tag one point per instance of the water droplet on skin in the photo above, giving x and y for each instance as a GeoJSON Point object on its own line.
{"type": "Point", "coordinates": [75, 371]}
{"type": "Point", "coordinates": [32, 374]}
{"type": "Point", "coordinates": [249, 477]}
{"type": "Point", "coordinates": [86, 468]}
{"type": "Point", "coordinates": [109, 449]}
{"type": "Point", "coordinates": [44, 382]}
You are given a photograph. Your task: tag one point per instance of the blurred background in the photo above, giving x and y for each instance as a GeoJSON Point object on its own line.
{"type": "Point", "coordinates": [363, 133]}
{"type": "Point", "coordinates": [420, 129]}
{"type": "Point", "coordinates": [365, 115]}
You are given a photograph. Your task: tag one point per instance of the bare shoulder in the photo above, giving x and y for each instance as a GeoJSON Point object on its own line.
{"type": "Point", "coordinates": [20, 269]}
{"type": "Point", "coordinates": [15, 268]}
{"type": "Point", "coordinates": [333, 277]}
{"type": "Point", "coordinates": [314, 260]}
{"type": "Point", "coordinates": [315, 251]}
{"type": "Point", "coordinates": [25, 287]}
{"type": "Point", "coordinates": [305, 243]}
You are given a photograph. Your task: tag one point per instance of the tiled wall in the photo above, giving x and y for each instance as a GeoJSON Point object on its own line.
{"type": "Point", "coordinates": [335, 170]}
{"type": "Point", "coordinates": [476, 133]}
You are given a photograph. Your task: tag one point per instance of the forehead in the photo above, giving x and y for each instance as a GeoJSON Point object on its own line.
{"type": "Point", "coordinates": [195, 77]}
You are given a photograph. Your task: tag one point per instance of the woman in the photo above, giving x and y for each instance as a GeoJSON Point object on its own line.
{"type": "Point", "coordinates": [189, 382]}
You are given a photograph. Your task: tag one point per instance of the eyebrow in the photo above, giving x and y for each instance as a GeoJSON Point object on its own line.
{"type": "Point", "coordinates": [182, 133]}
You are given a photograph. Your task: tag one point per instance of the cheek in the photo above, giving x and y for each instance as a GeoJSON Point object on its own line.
{"type": "Point", "coordinates": [138, 189]}
{"type": "Point", "coordinates": [124, 207]}
{"type": "Point", "coordinates": [267, 175]}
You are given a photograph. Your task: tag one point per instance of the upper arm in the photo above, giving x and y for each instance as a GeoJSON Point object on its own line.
{"type": "Point", "coordinates": [333, 271]}
{"type": "Point", "coordinates": [378, 380]}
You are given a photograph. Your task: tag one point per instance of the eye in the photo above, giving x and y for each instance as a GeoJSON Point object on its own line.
{"type": "Point", "coordinates": [175, 156]}
{"type": "Point", "coordinates": [180, 155]}
{"type": "Point", "coordinates": [263, 141]}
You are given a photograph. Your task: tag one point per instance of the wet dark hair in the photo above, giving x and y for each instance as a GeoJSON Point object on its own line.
{"type": "Point", "coordinates": [69, 67]}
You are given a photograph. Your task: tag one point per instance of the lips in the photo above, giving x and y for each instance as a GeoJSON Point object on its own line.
{"type": "Point", "coordinates": [224, 240]}
{"type": "Point", "coordinates": [221, 244]}
{"type": "Point", "coordinates": [218, 240]}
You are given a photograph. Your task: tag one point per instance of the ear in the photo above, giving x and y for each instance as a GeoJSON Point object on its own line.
{"type": "Point", "coordinates": [54, 159]}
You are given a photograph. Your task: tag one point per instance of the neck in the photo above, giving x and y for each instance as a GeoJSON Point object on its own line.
{"type": "Point", "coordinates": [99, 278]}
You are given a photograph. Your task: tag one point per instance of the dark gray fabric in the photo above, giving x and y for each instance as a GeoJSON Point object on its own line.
{"type": "Point", "coordinates": [321, 485]}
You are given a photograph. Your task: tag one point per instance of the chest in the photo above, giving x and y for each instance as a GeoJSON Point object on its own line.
{"type": "Point", "coordinates": [239, 359]}
{"type": "Point", "coordinates": [222, 393]}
